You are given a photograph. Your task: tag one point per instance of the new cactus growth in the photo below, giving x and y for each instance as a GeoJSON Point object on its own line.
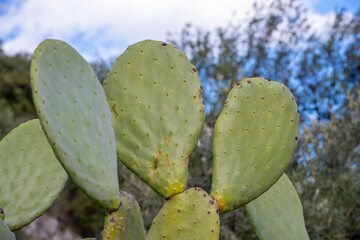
{"type": "Point", "coordinates": [126, 222]}
{"type": "Point", "coordinates": [277, 214]}
{"type": "Point", "coordinates": [150, 119]}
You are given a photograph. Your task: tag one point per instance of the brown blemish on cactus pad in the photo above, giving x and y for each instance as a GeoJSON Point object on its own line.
{"type": "Point", "coordinates": [113, 109]}
{"type": "Point", "coordinates": [219, 204]}
{"type": "Point", "coordinates": [158, 156]}
{"type": "Point", "coordinates": [164, 44]}
{"type": "Point", "coordinates": [167, 164]}
{"type": "Point", "coordinates": [185, 160]}
{"type": "Point", "coordinates": [168, 141]}
{"type": "Point", "coordinates": [194, 70]}
{"type": "Point", "coordinates": [249, 81]}
{"type": "Point", "coordinates": [153, 176]}
{"type": "Point", "coordinates": [296, 138]}
{"type": "Point", "coordinates": [199, 97]}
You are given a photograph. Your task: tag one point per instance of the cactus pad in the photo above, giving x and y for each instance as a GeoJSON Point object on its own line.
{"type": "Point", "coordinates": [192, 214]}
{"type": "Point", "coordinates": [5, 233]}
{"type": "Point", "coordinates": [277, 214]}
{"type": "Point", "coordinates": [126, 222]}
{"type": "Point", "coordinates": [31, 177]}
{"type": "Point", "coordinates": [155, 96]}
{"type": "Point", "coordinates": [72, 107]}
{"type": "Point", "coordinates": [255, 138]}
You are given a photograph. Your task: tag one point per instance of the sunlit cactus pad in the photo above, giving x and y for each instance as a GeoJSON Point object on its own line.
{"type": "Point", "coordinates": [5, 233]}
{"type": "Point", "coordinates": [126, 222]}
{"type": "Point", "coordinates": [277, 214]}
{"type": "Point", "coordinates": [72, 107]}
{"type": "Point", "coordinates": [156, 100]}
{"type": "Point", "coordinates": [31, 177]}
{"type": "Point", "coordinates": [192, 214]}
{"type": "Point", "coordinates": [255, 138]}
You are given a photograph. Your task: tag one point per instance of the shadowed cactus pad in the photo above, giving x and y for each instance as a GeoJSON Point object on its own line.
{"type": "Point", "coordinates": [72, 107]}
{"type": "Point", "coordinates": [155, 97]}
{"type": "Point", "coordinates": [255, 138]}
{"type": "Point", "coordinates": [126, 222]}
{"type": "Point", "coordinates": [31, 177]}
{"type": "Point", "coordinates": [277, 214]}
{"type": "Point", "coordinates": [192, 214]}
{"type": "Point", "coordinates": [5, 233]}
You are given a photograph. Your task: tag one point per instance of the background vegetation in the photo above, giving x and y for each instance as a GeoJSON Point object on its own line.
{"type": "Point", "coordinates": [276, 41]}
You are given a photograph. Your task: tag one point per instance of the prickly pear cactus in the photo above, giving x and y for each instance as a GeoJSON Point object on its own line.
{"type": "Point", "coordinates": [192, 214]}
{"type": "Point", "coordinates": [126, 222]}
{"type": "Point", "coordinates": [277, 214]}
{"type": "Point", "coordinates": [5, 233]}
{"type": "Point", "coordinates": [254, 141]}
{"type": "Point", "coordinates": [31, 177]}
{"type": "Point", "coordinates": [72, 107]}
{"type": "Point", "coordinates": [155, 97]}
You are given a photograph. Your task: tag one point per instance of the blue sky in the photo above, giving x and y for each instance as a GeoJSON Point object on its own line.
{"type": "Point", "coordinates": [325, 6]}
{"type": "Point", "coordinates": [103, 29]}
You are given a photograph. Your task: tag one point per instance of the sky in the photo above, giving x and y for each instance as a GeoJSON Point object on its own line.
{"type": "Point", "coordinates": [103, 29]}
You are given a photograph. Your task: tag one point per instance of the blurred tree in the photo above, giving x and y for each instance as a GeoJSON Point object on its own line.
{"type": "Point", "coordinates": [328, 180]}
{"type": "Point", "coordinates": [15, 92]}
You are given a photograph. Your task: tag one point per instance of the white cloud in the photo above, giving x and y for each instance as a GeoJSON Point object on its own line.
{"type": "Point", "coordinates": [106, 27]}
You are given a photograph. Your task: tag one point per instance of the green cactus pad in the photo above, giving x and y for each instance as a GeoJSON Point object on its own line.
{"type": "Point", "coordinates": [126, 222]}
{"type": "Point", "coordinates": [155, 96]}
{"type": "Point", "coordinates": [192, 214]}
{"type": "Point", "coordinates": [277, 214]}
{"type": "Point", "coordinates": [72, 107]}
{"type": "Point", "coordinates": [31, 176]}
{"type": "Point", "coordinates": [255, 138]}
{"type": "Point", "coordinates": [5, 233]}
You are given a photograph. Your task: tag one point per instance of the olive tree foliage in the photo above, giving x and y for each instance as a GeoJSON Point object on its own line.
{"type": "Point", "coordinates": [327, 177]}
{"type": "Point", "coordinates": [15, 93]}
{"type": "Point", "coordinates": [277, 40]}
